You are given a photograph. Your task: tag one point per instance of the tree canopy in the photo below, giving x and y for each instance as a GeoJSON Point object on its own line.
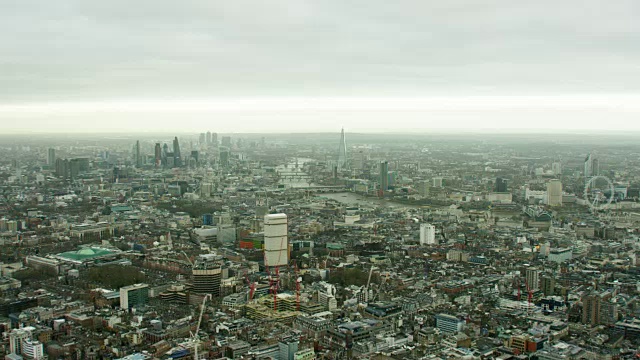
{"type": "Point", "coordinates": [116, 276]}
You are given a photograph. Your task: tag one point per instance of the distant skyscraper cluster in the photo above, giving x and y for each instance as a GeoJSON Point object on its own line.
{"type": "Point", "coordinates": [208, 139]}
{"type": "Point", "coordinates": [173, 155]}
{"type": "Point", "coordinates": [165, 155]}
{"type": "Point", "coordinates": [71, 168]}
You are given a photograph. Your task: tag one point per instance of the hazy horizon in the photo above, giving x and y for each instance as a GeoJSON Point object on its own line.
{"type": "Point", "coordinates": [350, 133]}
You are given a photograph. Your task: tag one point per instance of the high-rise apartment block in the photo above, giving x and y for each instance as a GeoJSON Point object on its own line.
{"type": "Point", "coordinates": [51, 158]}
{"type": "Point", "coordinates": [532, 276]}
{"type": "Point", "coordinates": [597, 308]}
{"type": "Point", "coordinates": [554, 193]}
{"type": "Point", "coordinates": [384, 175]}
{"type": "Point", "coordinates": [548, 285]}
{"type": "Point", "coordinates": [501, 185]}
{"type": "Point", "coordinates": [427, 234]}
{"type": "Point", "coordinates": [224, 156]}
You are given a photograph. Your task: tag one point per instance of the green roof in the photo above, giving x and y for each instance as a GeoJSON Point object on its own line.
{"type": "Point", "coordinates": [86, 254]}
{"type": "Point", "coordinates": [335, 246]}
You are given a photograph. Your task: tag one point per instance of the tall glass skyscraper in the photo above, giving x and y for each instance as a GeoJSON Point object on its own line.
{"type": "Point", "coordinates": [342, 152]}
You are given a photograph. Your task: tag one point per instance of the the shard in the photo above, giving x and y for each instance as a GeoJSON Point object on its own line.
{"type": "Point", "coordinates": [342, 152]}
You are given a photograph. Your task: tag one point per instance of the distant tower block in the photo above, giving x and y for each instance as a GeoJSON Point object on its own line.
{"type": "Point", "coordinates": [276, 246]}
{"type": "Point", "coordinates": [342, 152]}
{"type": "Point", "coordinates": [158, 154]}
{"type": "Point", "coordinates": [51, 159]}
{"type": "Point", "coordinates": [427, 234]}
{"type": "Point", "coordinates": [554, 193]}
{"type": "Point", "coordinates": [384, 176]}
{"type": "Point", "coordinates": [176, 153]}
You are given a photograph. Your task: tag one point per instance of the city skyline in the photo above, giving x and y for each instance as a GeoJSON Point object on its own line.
{"type": "Point", "coordinates": [320, 180]}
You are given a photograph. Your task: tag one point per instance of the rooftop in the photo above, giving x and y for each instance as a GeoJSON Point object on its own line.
{"type": "Point", "coordinates": [86, 254]}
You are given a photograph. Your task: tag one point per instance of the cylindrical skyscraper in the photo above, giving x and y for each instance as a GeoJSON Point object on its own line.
{"type": "Point", "coordinates": [276, 250]}
{"type": "Point", "coordinates": [276, 246]}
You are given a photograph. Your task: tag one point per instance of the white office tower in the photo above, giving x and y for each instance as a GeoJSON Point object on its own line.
{"type": "Point", "coordinates": [427, 234]}
{"type": "Point", "coordinates": [554, 193]}
{"type": "Point", "coordinates": [556, 168]}
{"type": "Point", "coordinates": [32, 349]}
{"type": "Point", "coordinates": [276, 246]}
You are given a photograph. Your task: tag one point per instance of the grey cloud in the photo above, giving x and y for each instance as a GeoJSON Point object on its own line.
{"type": "Point", "coordinates": [85, 49]}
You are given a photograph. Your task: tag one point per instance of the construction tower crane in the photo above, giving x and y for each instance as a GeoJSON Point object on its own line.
{"type": "Point", "coordinates": [298, 281]}
{"type": "Point", "coordinates": [252, 287]}
{"type": "Point", "coordinates": [369, 282]}
{"type": "Point", "coordinates": [383, 283]}
{"type": "Point", "coordinates": [516, 285]}
{"type": "Point", "coordinates": [529, 296]}
{"type": "Point", "coordinates": [188, 258]}
{"type": "Point", "coordinates": [194, 336]}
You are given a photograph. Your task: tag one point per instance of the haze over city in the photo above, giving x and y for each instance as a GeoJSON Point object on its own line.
{"type": "Point", "coordinates": [319, 180]}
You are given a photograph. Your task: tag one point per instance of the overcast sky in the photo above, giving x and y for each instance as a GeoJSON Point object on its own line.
{"type": "Point", "coordinates": [300, 65]}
